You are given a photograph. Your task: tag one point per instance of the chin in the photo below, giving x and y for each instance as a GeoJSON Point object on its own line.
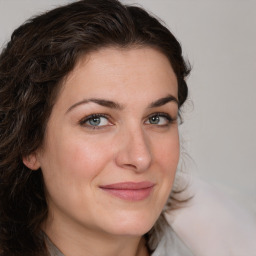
{"type": "Point", "coordinates": [132, 230]}
{"type": "Point", "coordinates": [133, 225]}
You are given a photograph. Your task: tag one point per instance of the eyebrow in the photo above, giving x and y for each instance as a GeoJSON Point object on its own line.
{"type": "Point", "coordinates": [115, 105]}
{"type": "Point", "coordinates": [102, 102]}
{"type": "Point", "coordinates": [163, 101]}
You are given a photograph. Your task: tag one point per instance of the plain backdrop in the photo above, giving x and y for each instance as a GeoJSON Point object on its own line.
{"type": "Point", "coordinates": [219, 39]}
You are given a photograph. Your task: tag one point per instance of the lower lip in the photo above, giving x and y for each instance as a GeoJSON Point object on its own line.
{"type": "Point", "coordinates": [130, 194]}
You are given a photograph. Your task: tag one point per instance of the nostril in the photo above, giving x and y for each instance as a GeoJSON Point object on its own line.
{"type": "Point", "coordinates": [137, 161]}
{"type": "Point", "coordinates": [130, 166]}
{"type": "Point", "coordinates": [134, 152]}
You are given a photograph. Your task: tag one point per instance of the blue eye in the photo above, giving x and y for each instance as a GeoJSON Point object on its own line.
{"type": "Point", "coordinates": [96, 120]}
{"type": "Point", "coordinates": [159, 119]}
{"type": "Point", "coordinates": [155, 119]}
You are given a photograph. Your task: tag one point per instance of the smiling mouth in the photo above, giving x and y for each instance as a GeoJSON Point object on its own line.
{"type": "Point", "coordinates": [131, 191]}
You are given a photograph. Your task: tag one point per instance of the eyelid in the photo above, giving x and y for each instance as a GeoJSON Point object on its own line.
{"type": "Point", "coordinates": [83, 121]}
{"type": "Point", "coordinates": [169, 118]}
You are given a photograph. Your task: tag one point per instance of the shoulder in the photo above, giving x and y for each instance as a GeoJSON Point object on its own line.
{"type": "Point", "coordinates": [171, 244]}
{"type": "Point", "coordinates": [214, 224]}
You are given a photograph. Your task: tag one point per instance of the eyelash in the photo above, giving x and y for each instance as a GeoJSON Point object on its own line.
{"type": "Point", "coordinates": [169, 119]}
{"type": "Point", "coordinates": [88, 118]}
{"type": "Point", "coordinates": [83, 122]}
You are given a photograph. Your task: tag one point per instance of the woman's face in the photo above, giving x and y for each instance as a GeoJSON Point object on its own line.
{"type": "Point", "coordinates": [112, 146]}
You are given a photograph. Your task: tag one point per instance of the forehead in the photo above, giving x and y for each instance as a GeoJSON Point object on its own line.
{"type": "Point", "coordinates": [120, 72]}
{"type": "Point", "coordinates": [123, 61]}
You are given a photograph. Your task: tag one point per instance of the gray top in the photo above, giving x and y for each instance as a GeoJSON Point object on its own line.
{"type": "Point", "coordinates": [54, 251]}
{"type": "Point", "coordinates": [170, 245]}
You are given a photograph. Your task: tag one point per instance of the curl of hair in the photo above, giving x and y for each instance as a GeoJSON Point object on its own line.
{"type": "Point", "coordinates": [40, 54]}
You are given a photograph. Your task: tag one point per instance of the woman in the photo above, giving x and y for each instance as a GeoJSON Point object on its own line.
{"type": "Point", "coordinates": [90, 98]}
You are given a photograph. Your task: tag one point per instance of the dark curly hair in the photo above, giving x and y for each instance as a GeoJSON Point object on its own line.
{"type": "Point", "coordinates": [40, 54]}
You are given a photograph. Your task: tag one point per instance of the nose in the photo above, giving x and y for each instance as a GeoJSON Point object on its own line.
{"type": "Point", "coordinates": [133, 151]}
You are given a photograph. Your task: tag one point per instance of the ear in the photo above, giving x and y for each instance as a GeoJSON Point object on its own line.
{"type": "Point", "coordinates": [31, 161]}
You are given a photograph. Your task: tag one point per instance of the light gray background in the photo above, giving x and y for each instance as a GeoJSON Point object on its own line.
{"type": "Point", "coordinates": [219, 39]}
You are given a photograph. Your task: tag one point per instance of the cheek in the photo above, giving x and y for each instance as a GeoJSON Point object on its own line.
{"type": "Point", "coordinates": [81, 158]}
{"type": "Point", "coordinates": [167, 154]}
{"type": "Point", "coordinates": [71, 168]}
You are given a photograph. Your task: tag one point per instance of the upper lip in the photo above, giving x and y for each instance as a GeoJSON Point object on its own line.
{"type": "Point", "coordinates": [129, 185]}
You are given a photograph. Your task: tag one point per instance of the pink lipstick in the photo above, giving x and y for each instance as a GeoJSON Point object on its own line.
{"type": "Point", "coordinates": [132, 191]}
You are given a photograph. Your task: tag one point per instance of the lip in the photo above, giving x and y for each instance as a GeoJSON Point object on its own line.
{"type": "Point", "coordinates": [131, 191]}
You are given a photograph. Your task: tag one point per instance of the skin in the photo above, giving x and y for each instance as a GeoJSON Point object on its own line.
{"type": "Point", "coordinates": [127, 145]}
